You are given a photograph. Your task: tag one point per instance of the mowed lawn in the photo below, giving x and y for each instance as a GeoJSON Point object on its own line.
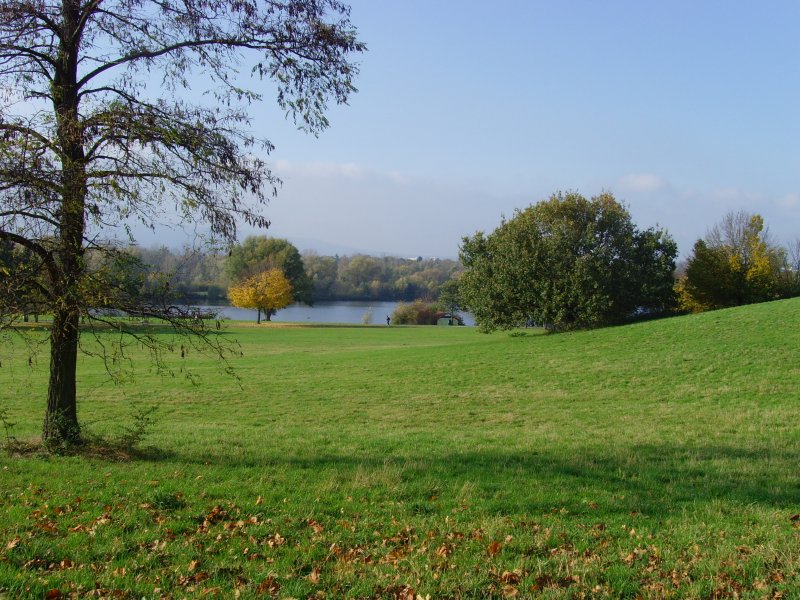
{"type": "Point", "coordinates": [658, 460]}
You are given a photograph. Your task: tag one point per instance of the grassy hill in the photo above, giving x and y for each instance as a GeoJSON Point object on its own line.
{"type": "Point", "coordinates": [658, 460]}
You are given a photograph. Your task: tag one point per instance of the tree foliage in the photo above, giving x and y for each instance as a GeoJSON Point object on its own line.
{"type": "Point", "coordinates": [260, 253]}
{"type": "Point", "coordinates": [567, 262]}
{"type": "Point", "coordinates": [193, 275]}
{"type": "Point", "coordinates": [267, 292]}
{"type": "Point", "coordinates": [202, 276]}
{"type": "Point", "coordinates": [735, 264]}
{"type": "Point", "coordinates": [90, 140]}
{"type": "Point", "coordinates": [363, 277]}
{"type": "Point", "coordinates": [450, 295]}
{"type": "Point", "coordinates": [420, 312]}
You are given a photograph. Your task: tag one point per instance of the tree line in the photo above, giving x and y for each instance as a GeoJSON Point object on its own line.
{"type": "Point", "coordinates": [202, 276]}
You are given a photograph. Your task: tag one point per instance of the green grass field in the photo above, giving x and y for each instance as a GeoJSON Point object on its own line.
{"type": "Point", "coordinates": [658, 460]}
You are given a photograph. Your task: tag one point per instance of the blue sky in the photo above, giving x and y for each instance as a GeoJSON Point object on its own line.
{"type": "Point", "coordinates": [468, 110]}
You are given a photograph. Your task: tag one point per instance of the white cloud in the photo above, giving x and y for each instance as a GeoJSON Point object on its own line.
{"type": "Point", "coordinates": [789, 201]}
{"type": "Point", "coordinates": [734, 198]}
{"type": "Point", "coordinates": [285, 168]}
{"type": "Point", "coordinates": [347, 205]}
{"type": "Point", "coordinates": [642, 183]}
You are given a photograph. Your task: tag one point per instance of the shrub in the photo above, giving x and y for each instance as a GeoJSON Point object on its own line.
{"type": "Point", "coordinates": [417, 312]}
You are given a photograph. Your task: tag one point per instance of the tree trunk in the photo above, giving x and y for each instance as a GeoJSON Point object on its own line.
{"type": "Point", "coordinates": [258, 319]}
{"type": "Point", "coordinates": [61, 418]}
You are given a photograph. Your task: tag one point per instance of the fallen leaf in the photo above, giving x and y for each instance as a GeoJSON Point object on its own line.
{"type": "Point", "coordinates": [494, 548]}
{"type": "Point", "coordinates": [259, 501]}
{"type": "Point", "coordinates": [511, 577]}
{"type": "Point", "coordinates": [102, 520]}
{"type": "Point", "coordinates": [269, 586]}
{"type": "Point", "coordinates": [201, 576]}
{"type": "Point", "coordinates": [193, 565]}
{"type": "Point", "coordinates": [509, 591]}
{"type": "Point", "coordinates": [13, 543]}
{"type": "Point", "coordinates": [316, 526]}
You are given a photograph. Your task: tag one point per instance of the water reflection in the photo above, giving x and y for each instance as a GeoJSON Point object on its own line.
{"type": "Point", "coordinates": [353, 311]}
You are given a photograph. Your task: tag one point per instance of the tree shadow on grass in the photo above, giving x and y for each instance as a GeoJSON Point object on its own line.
{"type": "Point", "coordinates": [650, 479]}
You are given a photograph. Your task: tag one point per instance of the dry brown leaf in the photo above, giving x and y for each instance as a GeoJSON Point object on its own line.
{"type": "Point", "coordinates": [494, 548]}
{"type": "Point", "coordinates": [511, 577]}
{"type": "Point", "coordinates": [268, 586]}
{"type": "Point", "coordinates": [510, 591]}
{"type": "Point", "coordinates": [316, 526]}
{"type": "Point", "coordinates": [201, 576]}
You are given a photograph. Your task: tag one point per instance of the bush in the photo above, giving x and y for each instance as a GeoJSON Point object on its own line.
{"type": "Point", "coordinates": [417, 312]}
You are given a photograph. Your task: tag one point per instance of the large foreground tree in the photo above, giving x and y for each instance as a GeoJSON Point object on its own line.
{"type": "Point", "coordinates": [567, 262]}
{"type": "Point", "coordinates": [98, 130]}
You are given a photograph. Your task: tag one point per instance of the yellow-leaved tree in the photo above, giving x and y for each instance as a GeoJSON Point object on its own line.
{"type": "Point", "coordinates": [266, 292]}
{"type": "Point", "coordinates": [735, 264]}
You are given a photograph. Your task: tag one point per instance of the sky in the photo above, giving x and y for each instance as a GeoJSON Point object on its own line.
{"type": "Point", "coordinates": [469, 110]}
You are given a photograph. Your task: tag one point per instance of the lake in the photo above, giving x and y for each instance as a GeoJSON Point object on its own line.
{"type": "Point", "coordinates": [340, 311]}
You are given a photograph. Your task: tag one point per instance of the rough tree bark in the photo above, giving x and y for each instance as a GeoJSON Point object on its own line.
{"type": "Point", "coordinates": [61, 416]}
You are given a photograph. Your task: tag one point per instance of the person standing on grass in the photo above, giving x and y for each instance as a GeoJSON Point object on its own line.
{"type": "Point", "coordinates": [388, 320]}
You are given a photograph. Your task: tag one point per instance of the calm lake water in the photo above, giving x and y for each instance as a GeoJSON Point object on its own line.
{"type": "Point", "coordinates": [324, 312]}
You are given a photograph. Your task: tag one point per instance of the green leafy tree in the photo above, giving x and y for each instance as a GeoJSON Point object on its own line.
{"type": "Point", "coordinates": [90, 139]}
{"type": "Point", "coordinates": [567, 262]}
{"type": "Point", "coordinates": [362, 275]}
{"type": "Point", "coordinates": [450, 295]}
{"type": "Point", "coordinates": [790, 278]}
{"type": "Point", "coordinates": [260, 253]}
{"type": "Point", "coordinates": [735, 264]}
{"type": "Point", "coordinates": [322, 271]}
